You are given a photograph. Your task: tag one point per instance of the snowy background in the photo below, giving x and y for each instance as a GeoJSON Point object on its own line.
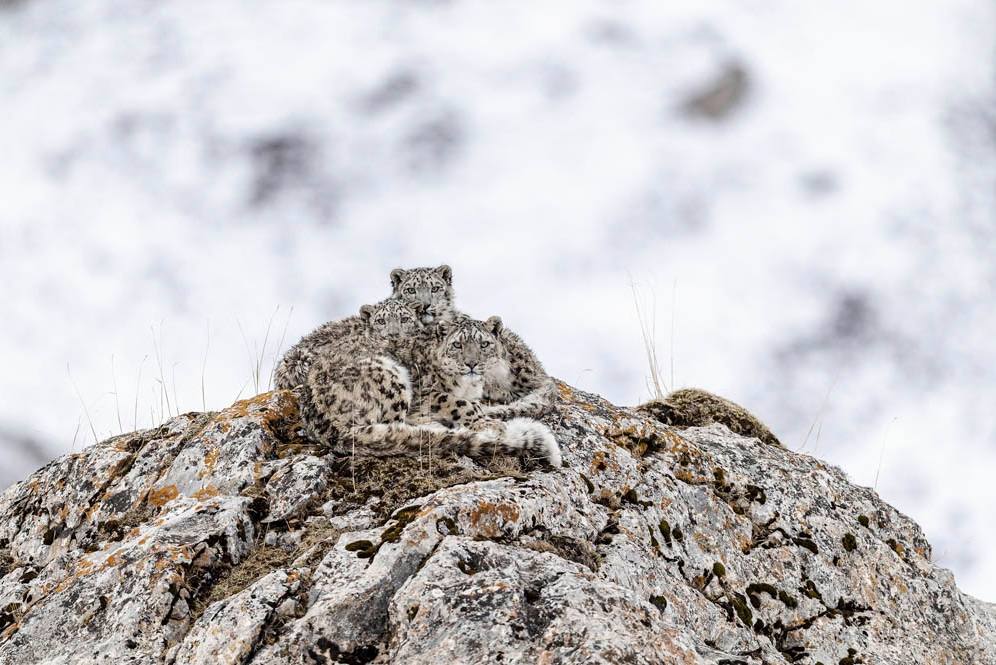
{"type": "Point", "coordinates": [802, 194]}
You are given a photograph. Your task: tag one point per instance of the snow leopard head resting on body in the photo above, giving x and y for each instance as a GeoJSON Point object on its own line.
{"type": "Point", "coordinates": [430, 287]}
{"type": "Point", "coordinates": [467, 351]}
{"type": "Point", "coordinates": [393, 318]}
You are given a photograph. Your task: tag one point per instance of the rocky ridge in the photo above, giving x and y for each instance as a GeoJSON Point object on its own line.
{"type": "Point", "coordinates": [225, 538]}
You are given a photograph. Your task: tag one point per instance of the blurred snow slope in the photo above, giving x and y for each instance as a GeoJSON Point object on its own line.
{"type": "Point", "coordinates": [810, 185]}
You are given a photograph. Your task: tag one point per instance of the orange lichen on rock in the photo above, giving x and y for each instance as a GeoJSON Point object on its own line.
{"type": "Point", "coordinates": [677, 444]}
{"type": "Point", "coordinates": [601, 461]}
{"type": "Point", "coordinates": [210, 459]}
{"type": "Point", "coordinates": [635, 436]}
{"type": "Point", "coordinates": [84, 567]}
{"type": "Point", "coordinates": [488, 518]}
{"type": "Point", "coordinates": [686, 476]}
{"type": "Point", "coordinates": [566, 392]}
{"type": "Point", "coordinates": [272, 405]}
{"type": "Point", "coordinates": [206, 493]}
{"type": "Point", "coordinates": [163, 495]}
{"type": "Point", "coordinates": [276, 412]}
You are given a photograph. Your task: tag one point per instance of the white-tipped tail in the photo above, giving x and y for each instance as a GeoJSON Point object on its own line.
{"type": "Point", "coordinates": [533, 439]}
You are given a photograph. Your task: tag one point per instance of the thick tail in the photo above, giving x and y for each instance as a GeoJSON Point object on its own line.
{"type": "Point", "coordinates": [520, 436]}
{"type": "Point", "coordinates": [532, 439]}
{"type": "Point", "coordinates": [389, 439]}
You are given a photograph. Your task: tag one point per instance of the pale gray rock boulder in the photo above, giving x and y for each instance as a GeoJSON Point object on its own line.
{"type": "Point", "coordinates": [226, 538]}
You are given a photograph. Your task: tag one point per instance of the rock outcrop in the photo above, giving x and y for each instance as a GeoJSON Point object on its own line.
{"type": "Point", "coordinates": [225, 538]}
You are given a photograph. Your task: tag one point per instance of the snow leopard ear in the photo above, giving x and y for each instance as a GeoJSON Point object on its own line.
{"type": "Point", "coordinates": [443, 329]}
{"type": "Point", "coordinates": [397, 275]}
{"type": "Point", "coordinates": [494, 325]}
{"type": "Point", "coordinates": [366, 312]}
{"type": "Point", "coordinates": [446, 273]}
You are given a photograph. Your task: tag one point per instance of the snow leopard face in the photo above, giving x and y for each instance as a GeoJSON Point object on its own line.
{"type": "Point", "coordinates": [430, 287]}
{"type": "Point", "coordinates": [393, 319]}
{"type": "Point", "coordinates": [468, 350]}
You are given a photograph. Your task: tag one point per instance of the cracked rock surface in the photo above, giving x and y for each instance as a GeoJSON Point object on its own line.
{"type": "Point", "coordinates": [225, 538]}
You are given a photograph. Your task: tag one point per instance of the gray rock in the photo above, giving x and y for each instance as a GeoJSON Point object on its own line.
{"type": "Point", "coordinates": [221, 538]}
{"type": "Point", "coordinates": [295, 486]}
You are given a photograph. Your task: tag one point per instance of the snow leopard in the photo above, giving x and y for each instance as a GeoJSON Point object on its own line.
{"type": "Point", "coordinates": [357, 395]}
{"type": "Point", "coordinates": [430, 287]}
{"type": "Point", "coordinates": [458, 365]}
{"type": "Point", "coordinates": [394, 319]}
{"type": "Point", "coordinates": [517, 385]}
{"type": "Point", "coordinates": [292, 370]}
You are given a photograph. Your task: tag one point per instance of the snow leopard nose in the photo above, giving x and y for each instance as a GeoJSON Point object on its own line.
{"type": "Point", "coordinates": [471, 365]}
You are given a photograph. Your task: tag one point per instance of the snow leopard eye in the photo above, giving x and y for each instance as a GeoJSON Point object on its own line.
{"type": "Point", "coordinates": [457, 345]}
{"type": "Point", "coordinates": [485, 343]}
{"type": "Point", "coordinates": [410, 291]}
{"type": "Point", "coordinates": [437, 289]}
{"type": "Point", "coordinates": [380, 321]}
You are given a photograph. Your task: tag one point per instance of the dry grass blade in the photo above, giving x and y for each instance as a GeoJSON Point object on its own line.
{"type": "Point", "coordinates": [818, 419]}
{"type": "Point", "coordinates": [157, 347]}
{"type": "Point", "coordinates": [256, 354]}
{"type": "Point", "coordinates": [280, 345]}
{"type": "Point", "coordinates": [258, 370]}
{"type": "Point", "coordinates": [204, 361]}
{"type": "Point", "coordinates": [76, 433]}
{"type": "Point", "coordinates": [881, 455]}
{"type": "Point", "coordinates": [86, 411]}
{"type": "Point", "coordinates": [138, 385]}
{"type": "Point", "coordinates": [117, 401]}
{"type": "Point", "coordinates": [674, 304]}
{"type": "Point", "coordinates": [655, 382]}
{"type": "Point", "coordinates": [176, 399]}
{"type": "Point", "coordinates": [245, 342]}
{"type": "Point", "coordinates": [242, 389]}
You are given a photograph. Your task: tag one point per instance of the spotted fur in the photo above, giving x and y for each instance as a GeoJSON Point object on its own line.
{"type": "Point", "coordinates": [432, 288]}
{"type": "Point", "coordinates": [357, 396]}
{"type": "Point", "coordinates": [390, 319]}
{"type": "Point", "coordinates": [517, 387]}
{"type": "Point", "coordinates": [459, 363]}
{"type": "Point", "coordinates": [452, 387]}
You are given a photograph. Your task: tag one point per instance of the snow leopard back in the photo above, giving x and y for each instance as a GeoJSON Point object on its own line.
{"type": "Point", "coordinates": [358, 378]}
{"type": "Point", "coordinates": [389, 321]}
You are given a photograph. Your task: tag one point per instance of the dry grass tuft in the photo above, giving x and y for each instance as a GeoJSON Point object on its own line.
{"type": "Point", "coordinates": [264, 560]}
{"type": "Point", "coordinates": [656, 384]}
{"type": "Point", "coordinates": [396, 481]}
